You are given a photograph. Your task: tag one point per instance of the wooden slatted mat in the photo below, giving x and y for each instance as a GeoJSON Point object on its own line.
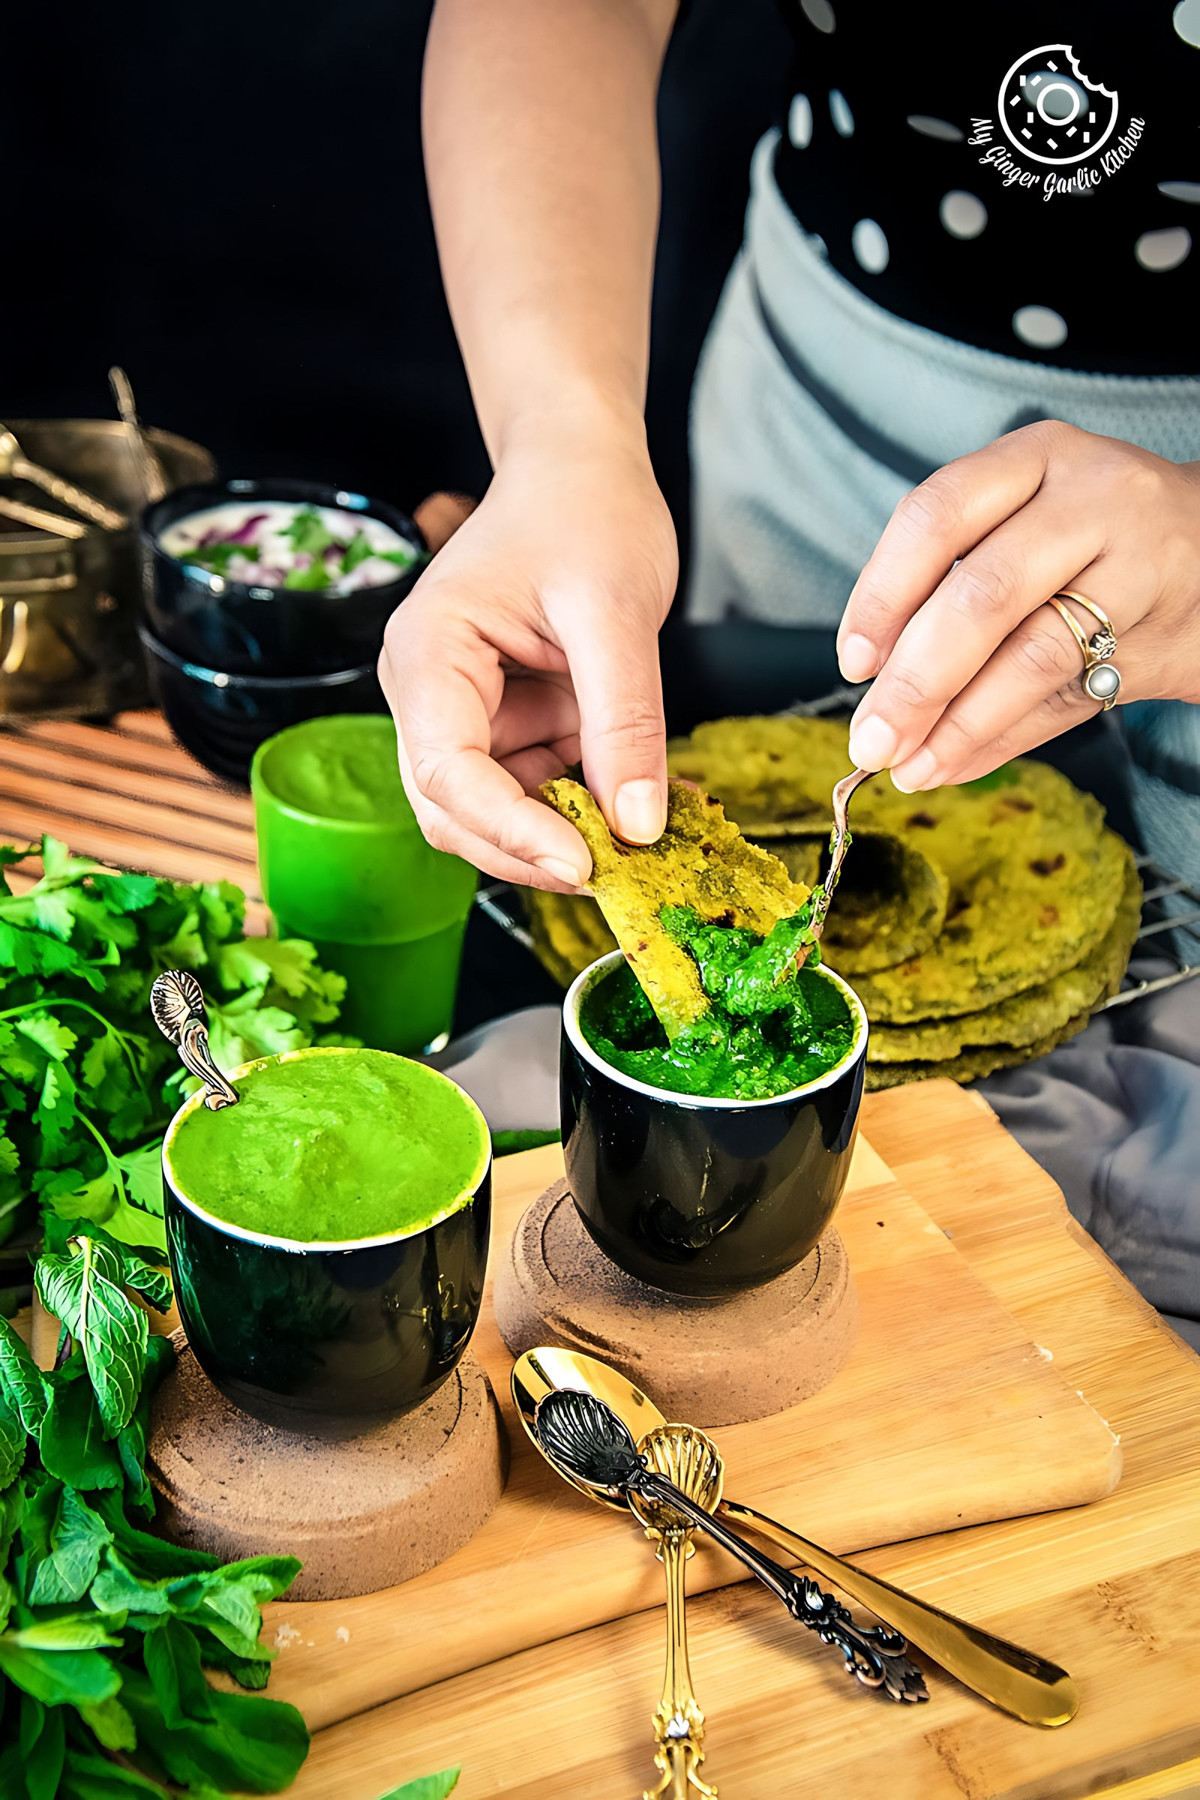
{"type": "Point", "coordinates": [127, 794]}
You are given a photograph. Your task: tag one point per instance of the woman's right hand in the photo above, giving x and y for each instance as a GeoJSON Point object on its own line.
{"type": "Point", "coordinates": [529, 643]}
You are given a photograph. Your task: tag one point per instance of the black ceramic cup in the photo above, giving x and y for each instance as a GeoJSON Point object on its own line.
{"type": "Point", "coordinates": [222, 719]}
{"type": "Point", "coordinates": [331, 1337]}
{"type": "Point", "coordinates": [697, 1196]}
{"type": "Point", "coordinates": [261, 631]}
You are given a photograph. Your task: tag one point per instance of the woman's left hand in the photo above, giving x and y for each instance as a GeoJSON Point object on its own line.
{"type": "Point", "coordinates": [950, 612]}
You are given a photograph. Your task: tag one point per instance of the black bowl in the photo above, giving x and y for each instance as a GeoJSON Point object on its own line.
{"type": "Point", "coordinates": [703, 1197]}
{"type": "Point", "coordinates": [328, 1336]}
{"type": "Point", "coordinates": [262, 631]}
{"type": "Point", "coordinates": [222, 719]}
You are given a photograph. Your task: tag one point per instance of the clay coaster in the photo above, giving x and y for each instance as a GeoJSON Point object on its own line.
{"type": "Point", "coordinates": [361, 1513]}
{"type": "Point", "coordinates": [711, 1362]}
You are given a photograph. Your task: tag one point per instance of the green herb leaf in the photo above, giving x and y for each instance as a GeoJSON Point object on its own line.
{"type": "Point", "coordinates": [59, 1677]}
{"type": "Point", "coordinates": [307, 532]}
{"type": "Point", "coordinates": [21, 1380]}
{"type": "Point", "coordinates": [41, 1736]}
{"type": "Point", "coordinates": [84, 1291]}
{"type": "Point", "coordinates": [111, 1724]}
{"type": "Point", "coordinates": [72, 1441]}
{"type": "Point", "coordinates": [255, 1746]}
{"type": "Point", "coordinates": [217, 557]}
{"type": "Point", "coordinates": [77, 1537]}
{"type": "Point", "coordinates": [316, 576]}
{"type": "Point", "coordinates": [357, 551]}
{"type": "Point", "coordinates": [173, 1664]}
{"type": "Point", "coordinates": [70, 1631]}
{"type": "Point", "coordinates": [94, 1778]}
{"type": "Point", "coordinates": [426, 1787]}
{"type": "Point", "coordinates": [13, 1442]}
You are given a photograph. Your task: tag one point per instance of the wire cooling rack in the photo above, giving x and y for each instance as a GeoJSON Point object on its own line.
{"type": "Point", "coordinates": [1169, 932]}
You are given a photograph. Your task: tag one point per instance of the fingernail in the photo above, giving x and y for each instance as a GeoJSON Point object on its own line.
{"type": "Point", "coordinates": [562, 871]}
{"type": "Point", "coordinates": [919, 771]}
{"type": "Point", "coordinates": [858, 658]}
{"type": "Point", "coordinates": [873, 743]}
{"type": "Point", "coordinates": [640, 809]}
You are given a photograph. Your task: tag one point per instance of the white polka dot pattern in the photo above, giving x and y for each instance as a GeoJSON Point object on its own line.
{"type": "Point", "coordinates": [1040, 327]}
{"type": "Point", "coordinates": [1162, 250]}
{"type": "Point", "coordinates": [870, 246]}
{"type": "Point", "coordinates": [1186, 20]}
{"type": "Point", "coordinates": [1187, 191]}
{"type": "Point", "coordinates": [800, 121]}
{"type": "Point", "coordinates": [839, 112]}
{"type": "Point", "coordinates": [820, 14]}
{"type": "Point", "coordinates": [962, 214]}
{"type": "Point", "coordinates": [930, 127]}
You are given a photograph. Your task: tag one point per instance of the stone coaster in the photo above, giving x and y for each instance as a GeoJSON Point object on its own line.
{"type": "Point", "coordinates": [362, 1513]}
{"type": "Point", "coordinates": [711, 1362]}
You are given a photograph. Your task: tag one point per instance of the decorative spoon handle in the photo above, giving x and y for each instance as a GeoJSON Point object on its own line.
{"type": "Point", "coordinates": [1028, 1686]}
{"type": "Point", "coordinates": [77, 498]}
{"type": "Point", "coordinates": [177, 1002]}
{"type": "Point", "coordinates": [875, 1654]}
{"type": "Point", "coordinates": [679, 1721]}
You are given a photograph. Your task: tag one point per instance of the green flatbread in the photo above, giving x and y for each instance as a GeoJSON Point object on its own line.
{"type": "Point", "coordinates": [972, 1063]}
{"type": "Point", "coordinates": [1030, 1017]}
{"type": "Point", "coordinates": [701, 861]}
{"type": "Point", "coordinates": [1034, 879]}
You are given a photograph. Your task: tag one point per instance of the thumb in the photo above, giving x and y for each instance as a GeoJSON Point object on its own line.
{"type": "Point", "coordinates": [615, 673]}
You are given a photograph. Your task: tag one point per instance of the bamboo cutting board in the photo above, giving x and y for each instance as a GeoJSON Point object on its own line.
{"type": "Point", "coordinates": [945, 1415]}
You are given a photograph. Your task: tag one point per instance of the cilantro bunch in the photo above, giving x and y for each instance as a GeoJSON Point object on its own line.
{"type": "Point", "coordinates": [87, 1084]}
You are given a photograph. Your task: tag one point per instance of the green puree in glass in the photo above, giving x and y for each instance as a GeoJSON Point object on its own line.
{"type": "Point", "coordinates": [332, 1145]}
{"type": "Point", "coordinates": [766, 1032]}
{"type": "Point", "coordinates": [341, 767]}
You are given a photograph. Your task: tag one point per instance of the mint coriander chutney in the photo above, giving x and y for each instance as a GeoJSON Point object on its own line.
{"type": "Point", "coordinates": [331, 1146]}
{"type": "Point", "coordinates": [768, 1028]}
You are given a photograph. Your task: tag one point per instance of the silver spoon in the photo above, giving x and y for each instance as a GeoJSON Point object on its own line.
{"type": "Point", "coordinates": [15, 463]}
{"type": "Point", "coordinates": [586, 1437]}
{"type": "Point", "coordinates": [150, 471]}
{"type": "Point", "coordinates": [177, 1002]}
{"type": "Point", "coordinates": [839, 842]}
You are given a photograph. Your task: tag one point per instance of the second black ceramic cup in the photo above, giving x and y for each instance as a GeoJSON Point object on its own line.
{"type": "Point", "coordinates": [699, 1196]}
{"type": "Point", "coordinates": [321, 1335]}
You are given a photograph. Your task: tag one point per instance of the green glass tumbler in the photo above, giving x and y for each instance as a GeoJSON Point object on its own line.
{"type": "Point", "coordinates": [343, 863]}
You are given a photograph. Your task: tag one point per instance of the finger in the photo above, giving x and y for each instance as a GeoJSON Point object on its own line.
{"type": "Point", "coordinates": [444, 731]}
{"type": "Point", "coordinates": [1139, 659]}
{"type": "Point", "coordinates": [538, 763]}
{"type": "Point", "coordinates": [534, 709]}
{"type": "Point", "coordinates": [1034, 662]}
{"type": "Point", "coordinates": [622, 734]}
{"type": "Point", "coordinates": [935, 523]}
{"type": "Point", "coordinates": [1008, 576]}
{"type": "Point", "coordinates": [445, 833]}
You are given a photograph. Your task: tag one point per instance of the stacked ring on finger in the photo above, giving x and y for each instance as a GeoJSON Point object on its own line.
{"type": "Point", "coordinates": [1101, 676]}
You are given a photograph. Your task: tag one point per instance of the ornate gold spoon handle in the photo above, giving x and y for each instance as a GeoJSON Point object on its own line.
{"type": "Point", "coordinates": [679, 1721]}
{"type": "Point", "coordinates": [177, 1002]}
{"type": "Point", "coordinates": [1026, 1685]}
{"type": "Point", "coordinates": [13, 461]}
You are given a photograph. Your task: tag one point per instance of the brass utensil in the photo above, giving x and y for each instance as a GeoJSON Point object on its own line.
{"type": "Point", "coordinates": [14, 463]}
{"type": "Point", "coordinates": [41, 520]}
{"type": "Point", "coordinates": [150, 471]}
{"type": "Point", "coordinates": [690, 1460]}
{"type": "Point", "coordinates": [177, 1003]}
{"type": "Point", "coordinates": [579, 1432]}
{"type": "Point", "coordinates": [1019, 1682]}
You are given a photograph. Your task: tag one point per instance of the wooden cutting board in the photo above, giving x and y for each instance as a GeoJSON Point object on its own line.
{"type": "Point", "coordinates": [945, 1415]}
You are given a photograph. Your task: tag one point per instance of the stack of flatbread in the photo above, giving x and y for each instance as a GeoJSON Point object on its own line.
{"type": "Point", "coordinates": [981, 925]}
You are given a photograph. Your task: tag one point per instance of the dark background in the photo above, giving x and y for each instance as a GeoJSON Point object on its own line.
{"type": "Point", "coordinates": [229, 200]}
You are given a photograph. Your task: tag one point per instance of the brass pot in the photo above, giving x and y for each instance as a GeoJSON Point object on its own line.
{"type": "Point", "coordinates": [69, 606]}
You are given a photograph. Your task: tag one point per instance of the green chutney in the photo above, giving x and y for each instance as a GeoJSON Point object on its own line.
{"type": "Point", "coordinates": [340, 767]}
{"type": "Point", "coordinates": [329, 1146]}
{"type": "Point", "coordinates": [766, 1032]}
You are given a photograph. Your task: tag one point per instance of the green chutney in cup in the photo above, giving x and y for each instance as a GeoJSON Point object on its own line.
{"type": "Point", "coordinates": [344, 863]}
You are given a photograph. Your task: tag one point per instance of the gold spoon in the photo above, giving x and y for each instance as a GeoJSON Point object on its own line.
{"type": "Point", "coordinates": [14, 462]}
{"type": "Point", "coordinates": [150, 470]}
{"type": "Point", "coordinates": [41, 520]}
{"type": "Point", "coordinates": [1019, 1682]}
{"type": "Point", "coordinates": [177, 1004]}
{"type": "Point", "coordinates": [690, 1460]}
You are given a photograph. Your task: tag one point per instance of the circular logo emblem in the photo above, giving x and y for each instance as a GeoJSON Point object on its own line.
{"type": "Point", "coordinates": [1050, 111]}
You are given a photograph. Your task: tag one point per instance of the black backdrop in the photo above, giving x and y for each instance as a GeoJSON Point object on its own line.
{"type": "Point", "coordinates": [229, 200]}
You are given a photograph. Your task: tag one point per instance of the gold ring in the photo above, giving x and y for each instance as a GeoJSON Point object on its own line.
{"type": "Point", "coordinates": [1101, 676]}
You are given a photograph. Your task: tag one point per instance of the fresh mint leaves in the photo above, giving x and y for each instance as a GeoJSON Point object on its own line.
{"type": "Point", "coordinates": [86, 1083]}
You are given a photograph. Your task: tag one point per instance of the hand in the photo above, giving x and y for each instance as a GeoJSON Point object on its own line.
{"type": "Point", "coordinates": [973, 667]}
{"type": "Point", "coordinates": [529, 643]}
